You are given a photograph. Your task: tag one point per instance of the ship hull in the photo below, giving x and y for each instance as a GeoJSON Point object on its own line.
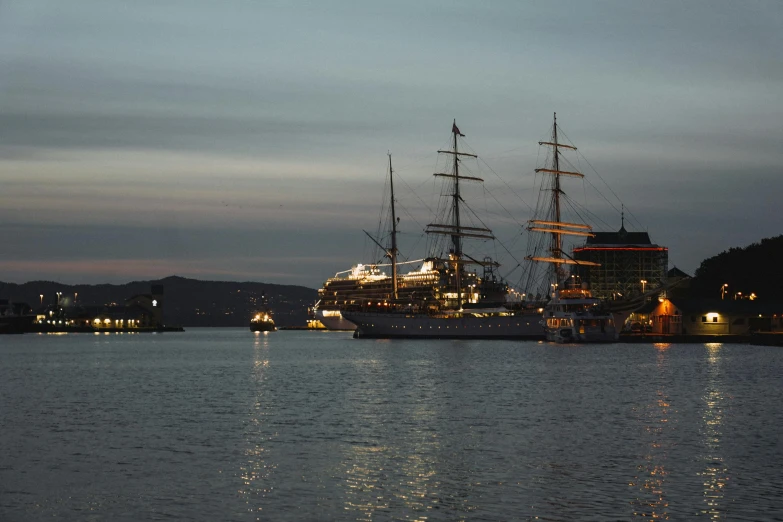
{"type": "Point", "coordinates": [16, 324]}
{"type": "Point", "coordinates": [568, 335]}
{"type": "Point", "coordinates": [411, 326]}
{"type": "Point", "coordinates": [262, 326]}
{"type": "Point", "coordinates": [334, 322]}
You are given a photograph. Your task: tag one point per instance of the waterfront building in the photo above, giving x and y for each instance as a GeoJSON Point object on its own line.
{"type": "Point", "coordinates": [143, 311]}
{"type": "Point", "coordinates": [622, 264]}
{"type": "Point", "coordinates": [682, 316]}
{"type": "Point", "coordinates": [149, 307]}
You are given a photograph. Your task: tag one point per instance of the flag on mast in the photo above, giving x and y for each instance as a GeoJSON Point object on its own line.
{"type": "Point", "coordinates": [455, 129]}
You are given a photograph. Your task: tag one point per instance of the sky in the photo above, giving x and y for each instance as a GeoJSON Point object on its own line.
{"type": "Point", "coordinates": [248, 140]}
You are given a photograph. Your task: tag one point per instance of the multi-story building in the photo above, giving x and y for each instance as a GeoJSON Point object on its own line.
{"type": "Point", "coordinates": [628, 263]}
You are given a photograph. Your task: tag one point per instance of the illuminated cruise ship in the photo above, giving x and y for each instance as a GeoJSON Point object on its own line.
{"type": "Point", "coordinates": [365, 284]}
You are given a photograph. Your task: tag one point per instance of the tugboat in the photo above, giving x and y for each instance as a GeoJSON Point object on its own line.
{"type": "Point", "coordinates": [262, 322]}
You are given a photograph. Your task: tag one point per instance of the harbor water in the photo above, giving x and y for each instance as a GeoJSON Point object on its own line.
{"type": "Point", "coordinates": [226, 424]}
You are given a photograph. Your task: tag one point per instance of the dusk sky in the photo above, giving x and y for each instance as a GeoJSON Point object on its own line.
{"type": "Point", "coordinates": [247, 140]}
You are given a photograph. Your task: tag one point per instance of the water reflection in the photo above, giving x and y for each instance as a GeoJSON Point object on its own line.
{"type": "Point", "coordinates": [390, 467]}
{"type": "Point", "coordinates": [715, 474]}
{"type": "Point", "coordinates": [257, 470]}
{"type": "Point", "coordinates": [366, 461]}
{"type": "Point", "coordinates": [651, 500]}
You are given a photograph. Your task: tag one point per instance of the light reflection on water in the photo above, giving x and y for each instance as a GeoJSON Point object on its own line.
{"type": "Point", "coordinates": [651, 501]}
{"type": "Point", "coordinates": [716, 473]}
{"type": "Point", "coordinates": [371, 464]}
{"type": "Point", "coordinates": [311, 426]}
{"type": "Point", "coordinates": [419, 455]}
{"type": "Point", "coordinates": [365, 464]}
{"type": "Point", "coordinates": [256, 470]}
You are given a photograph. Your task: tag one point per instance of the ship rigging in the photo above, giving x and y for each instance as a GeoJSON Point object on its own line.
{"type": "Point", "coordinates": [571, 313]}
{"type": "Point", "coordinates": [463, 304]}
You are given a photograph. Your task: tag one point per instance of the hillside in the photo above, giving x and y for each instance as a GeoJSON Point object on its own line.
{"type": "Point", "coordinates": [755, 268]}
{"type": "Point", "coordinates": [187, 302]}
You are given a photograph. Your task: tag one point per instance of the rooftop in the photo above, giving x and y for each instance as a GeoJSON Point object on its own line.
{"type": "Point", "coordinates": [620, 238]}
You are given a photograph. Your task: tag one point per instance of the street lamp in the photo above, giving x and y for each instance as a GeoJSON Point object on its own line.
{"type": "Point", "coordinates": [41, 300]}
{"type": "Point", "coordinates": [644, 282]}
{"type": "Point", "coordinates": [723, 290]}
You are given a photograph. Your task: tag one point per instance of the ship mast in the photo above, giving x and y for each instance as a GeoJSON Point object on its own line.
{"type": "Point", "coordinates": [557, 240]}
{"type": "Point", "coordinates": [456, 230]}
{"type": "Point", "coordinates": [455, 239]}
{"type": "Point", "coordinates": [554, 225]}
{"type": "Point", "coordinates": [393, 251]}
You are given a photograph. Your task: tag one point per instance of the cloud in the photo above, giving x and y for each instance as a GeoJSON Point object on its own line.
{"type": "Point", "coordinates": [171, 132]}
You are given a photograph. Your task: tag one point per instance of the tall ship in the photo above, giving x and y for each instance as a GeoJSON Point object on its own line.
{"type": "Point", "coordinates": [461, 304]}
{"type": "Point", "coordinates": [374, 283]}
{"type": "Point", "coordinates": [572, 313]}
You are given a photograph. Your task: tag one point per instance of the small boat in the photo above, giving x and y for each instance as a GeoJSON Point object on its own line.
{"type": "Point", "coordinates": [573, 315]}
{"type": "Point", "coordinates": [262, 322]}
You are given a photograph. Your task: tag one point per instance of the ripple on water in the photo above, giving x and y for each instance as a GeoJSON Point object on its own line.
{"type": "Point", "coordinates": [225, 425]}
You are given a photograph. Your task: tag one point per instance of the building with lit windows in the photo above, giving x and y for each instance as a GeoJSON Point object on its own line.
{"type": "Point", "coordinates": [627, 264]}
{"type": "Point", "coordinates": [140, 312]}
{"type": "Point", "coordinates": [681, 316]}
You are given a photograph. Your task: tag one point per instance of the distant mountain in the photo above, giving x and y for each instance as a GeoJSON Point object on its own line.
{"type": "Point", "coordinates": [187, 302]}
{"type": "Point", "coordinates": [755, 268]}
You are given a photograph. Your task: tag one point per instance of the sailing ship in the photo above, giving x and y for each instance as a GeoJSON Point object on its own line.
{"type": "Point", "coordinates": [372, 284]}
{"type": "Point", "coordinates": [572, 314]}
{"type": "Point", "coordinates": [461, 304]}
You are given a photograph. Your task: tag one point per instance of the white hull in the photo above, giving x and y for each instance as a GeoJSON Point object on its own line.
{"type": "Point", "coordinates": [334, 322]}
{"type": "Point", "coordinates": [415, 326]}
